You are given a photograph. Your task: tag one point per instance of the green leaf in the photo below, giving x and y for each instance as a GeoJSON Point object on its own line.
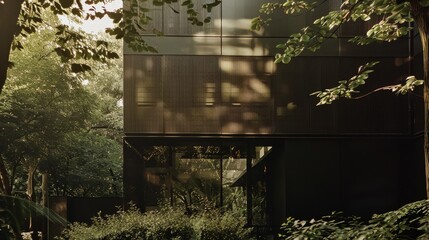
{"type": "Point", "coordinates": [112, 55]}
{"type": "Point", "coordinates": [66, 3]}
{"type": "Point", "coordinates": [10, 64]}
{"type": "Point", "coordinates": [278, 58]}
{"type": "Point", "coordinates": [304, 38]}
{"type": "Point", "coordinates": [77, 68]}
{"type": "Point", "coordinates": [207, 19]}
{"type": "Point", "coordinates": [76, 12]}
{"type": "Point", "coordinates": [286, 59]}
{"type": "Point", "coordinates": [115, 16]}
{"type": "Point", "coordinates": [158, 3]}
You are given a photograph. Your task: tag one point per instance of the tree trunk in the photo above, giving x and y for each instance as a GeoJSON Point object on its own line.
{"type": "Point", "coordinates": [4, 179]}
{"type": "Point", "coordinates": [9, 13]}
{"type": "Point", "coordinates": [421, 17]}
{"type": "Point", "coordinates": [45, 188]}
{"type": "Point", "coordinates": [30, 192]}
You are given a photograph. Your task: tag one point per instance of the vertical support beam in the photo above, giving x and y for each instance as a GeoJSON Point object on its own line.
{"type": "Point", "coordinates": [133, 183]}
{"type": "Point", "coordinates": [170, 173]}
{"type": "Point", "coordinates": [221, 177]}
{"type": "Point", "coordinates": [250, 150]}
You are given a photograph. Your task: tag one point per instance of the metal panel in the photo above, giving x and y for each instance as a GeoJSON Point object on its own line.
{"type": "Point", "coordinates": [380, 112]}
{"type": "Point", "coordinates": [243, 119]}
{"type": "Point", "coordinates": [237, 16]}
{"type": "Point", "coordinates": [176, 20]}
{"type": "Point", "coordinates": [129, 109]}
{"type": "Point", "coordinates": [191, 87]}
{"type": "Point", "coordinates": [398, 48]}
{"type": "Point", "coordinates": [210, 94]}
{"type": "Point", "coordinates": [143, 96]}
{"type": "Point", "coordinates": [296, 110]}
{"type": "Point", "coordinates": [257, 46]}
{"type": "Point", "coordinates": [153, 16]}
{"type": "Point", "coordinates": [196, 45]}
{"type": "Point", "coordinates": [172, 19]}
{"type": "Point", "coordinates": [246, 95]}
{"type": "Point", "coordinates": [149, 119]}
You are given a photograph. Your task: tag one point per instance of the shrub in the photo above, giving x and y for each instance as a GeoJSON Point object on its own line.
{"type": "Point", "coordinates": [166, 223]}
{"type": "Point", "coordinates": [213, 225]}
{"type": "Point", "coordinates": [409, 222]}
{"type": "Point", "coordinates": [123, 225]}
{"type": "Point", "coordinates": [131, 224]}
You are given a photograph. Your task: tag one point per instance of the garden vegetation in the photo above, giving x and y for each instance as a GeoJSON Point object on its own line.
{"type": "Point", "coordinates": [165, 223]}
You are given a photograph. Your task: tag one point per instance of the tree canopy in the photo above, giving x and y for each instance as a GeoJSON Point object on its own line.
{"type": "Point", "coordinates": [21, 18]}
{"type": "Point", "coordinates": [51, 118]}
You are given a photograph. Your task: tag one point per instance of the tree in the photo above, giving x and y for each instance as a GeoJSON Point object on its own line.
{"type": "Point", "coordinates": [25, 17]}
{"type": "Point", "coordinates": [22, 18]}
{"type": "Point", "coordinates": [394, 21]}
{"type": "Point", "coordinates": [85, 165]}
{"type": "Point", "coordinates": [45, 107]}
{"type": "Point", "coordinates": [38, 117]}
{"type": "Point", "coordinates": [49, 103]}
{"type": "Point", "coordinates": [40, 104]}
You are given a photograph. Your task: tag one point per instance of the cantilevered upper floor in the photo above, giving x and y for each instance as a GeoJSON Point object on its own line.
{"type": "Point", "coordinates": [220, 78]}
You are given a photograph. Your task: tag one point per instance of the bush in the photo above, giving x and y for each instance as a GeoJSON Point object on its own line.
{"type": "Point", "coordinates": [213, 225]}
{"type": "Point", "coordinates": [166, 223]}
{"type": "Point", "coordinates": [131, 224]}
{"type": "Point", "coordinates": [409, 222]}
{"type": "Point", "coordinates": [124, 225]}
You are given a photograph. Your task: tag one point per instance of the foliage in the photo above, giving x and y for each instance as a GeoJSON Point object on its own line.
{"type": "Point", "coordinates": [131, 224]}
{"type": "Point", "coordinates": [73, 46]}
{"type": "Point", "coordinates": [14, 210]}
{"type": "Point", "coordinates": [136, 20]}
{"type": "Point", "coordinates": [166, 223]}
{"type": "Point", "coordinates": [393, 17]}
{"type": "Point", "coordinates": [85, 164]}
{"type": "Point", "coordinates": [123, 225]}
{"type": "Point", "coordinates": [408, 222]}
{"type": "Point", "coordinates": [213, 225]}
{"type": "Point", "coordinates": [41, 102]}
{"type": "Point", "coordinates": [346, 88]}
{"type": "Point", "coordinates": [54, 120]}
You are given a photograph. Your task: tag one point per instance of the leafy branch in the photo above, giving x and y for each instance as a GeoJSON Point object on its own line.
{"type": "Point", "coordinates": [347, 88]}
{"type": "Point", "coordinates": [136, 20]}
{"type": "Point", "coordinates": [131, 23]}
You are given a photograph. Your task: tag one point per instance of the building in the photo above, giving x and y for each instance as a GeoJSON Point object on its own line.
{"type": "Point", "coordinates": [213, 96]}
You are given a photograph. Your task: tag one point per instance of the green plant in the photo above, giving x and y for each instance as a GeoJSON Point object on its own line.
{"type": "Point", "coordinates": [166, 223]}
{"type": "Point", "coordinates": [122, 225]}
{"type": "Point", "coordinates": [214, 225]}
{"type": "Point", "coordinates": [408, 222]}
{"type": "Point", "coordinates": [163, 224]}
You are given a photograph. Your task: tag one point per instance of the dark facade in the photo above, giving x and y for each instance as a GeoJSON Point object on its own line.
{"type": "Point", "coordinates": [217, 85]}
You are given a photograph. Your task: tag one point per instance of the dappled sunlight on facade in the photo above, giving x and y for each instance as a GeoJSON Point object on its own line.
{"type": "Point", "coordinates": [232, 127]}
{"type": "Point", "coordinates": [235, 26]}
{"type": "Point", "coordinates": [244, 46]}
{"type": "Point", "coordinates": [226, 90]}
